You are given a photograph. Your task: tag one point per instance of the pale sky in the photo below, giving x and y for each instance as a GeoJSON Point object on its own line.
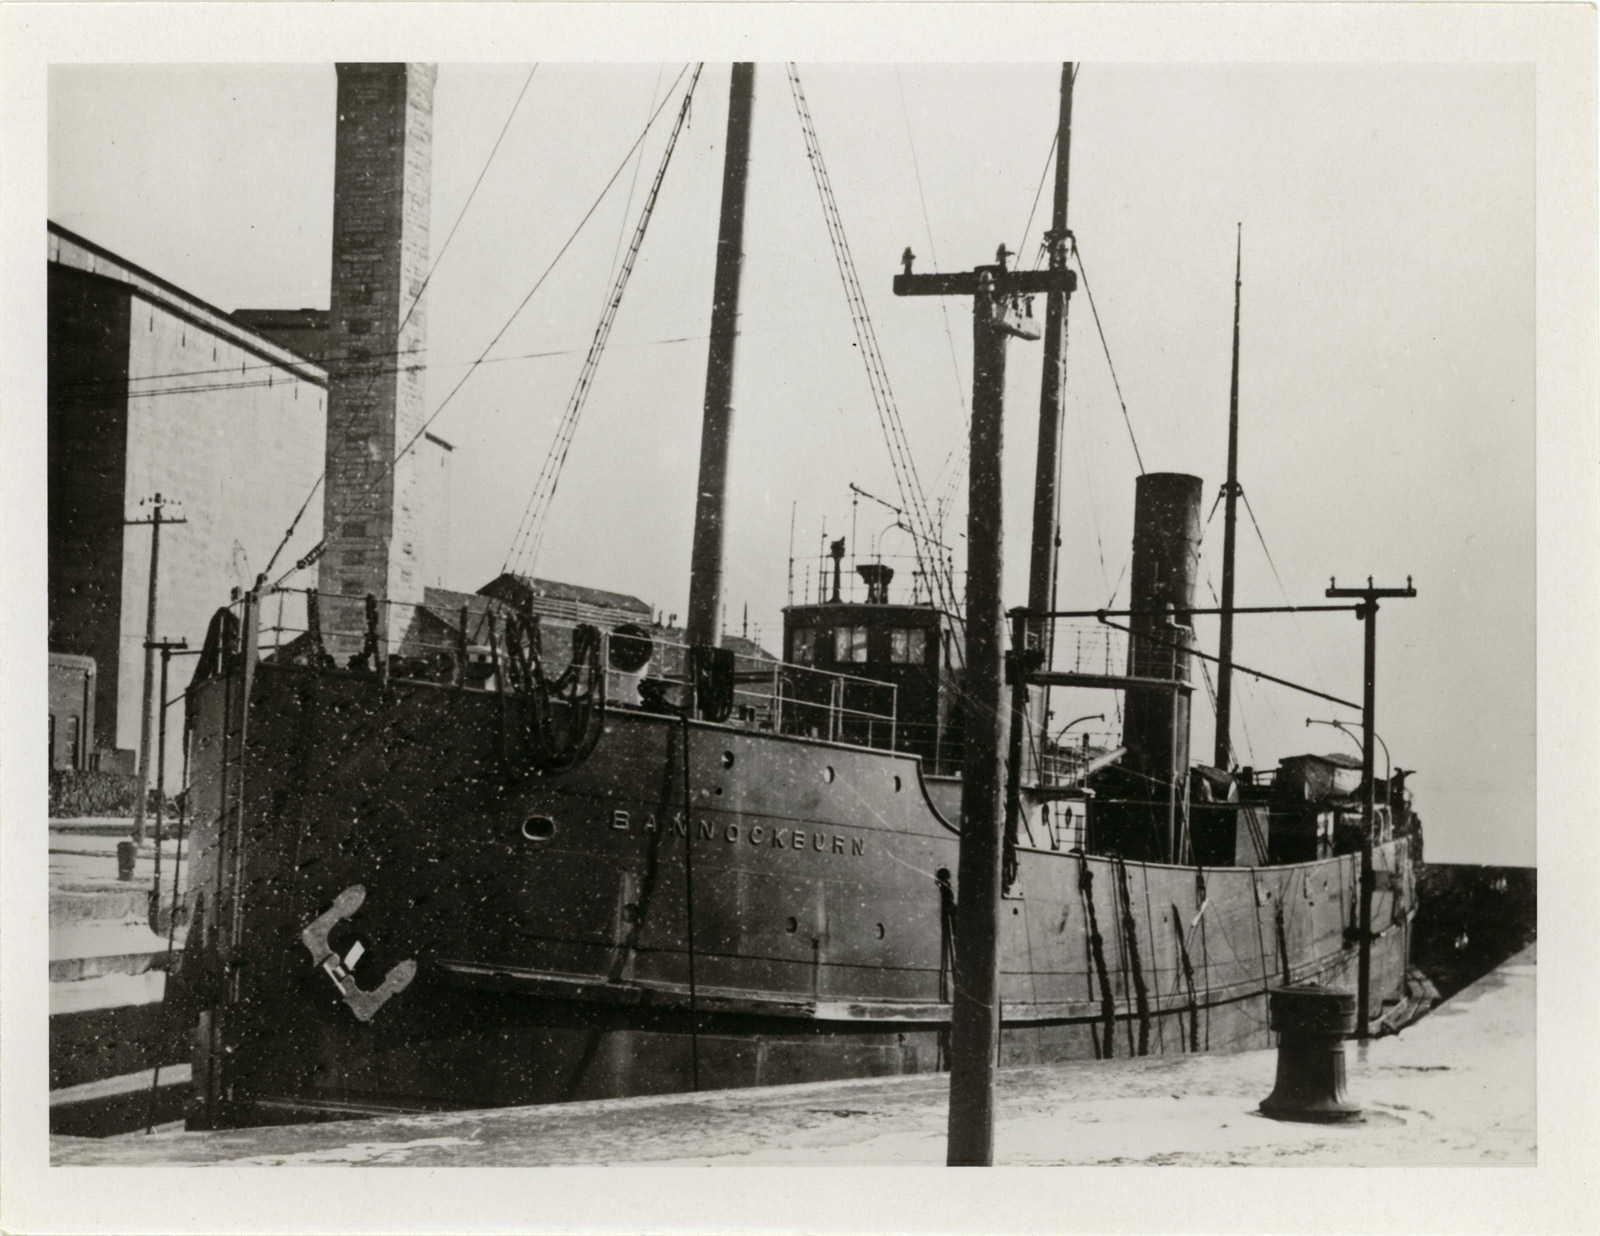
{"type": "Point", "coordinates": [1387, 372]}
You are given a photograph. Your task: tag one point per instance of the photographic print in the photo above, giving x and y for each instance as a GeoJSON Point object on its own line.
{"type": "Point", "coordinates": [780, 612]}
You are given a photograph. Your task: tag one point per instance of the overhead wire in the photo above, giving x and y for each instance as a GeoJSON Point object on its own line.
{"type": "Point", "coordinates": [1299, 631]}
{"type": "Point", "coordinates": [1078, 254]}
{"type": "Point", "coordinates": [529, 537]}
{"type": "Point", "coordinates": [933, 250]}
{"type": "Point", "coordinates": [1044, 175]}
{"type": "Point", "coordinates": [416, 299]}
{"type": "Point", "coordinates": [434, 366]}
{"type": "Point", "coordinates": [515, 313]}
{"type": "Point", "coordinates": [924, 534]}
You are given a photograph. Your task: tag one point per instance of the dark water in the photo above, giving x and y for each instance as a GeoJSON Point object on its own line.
{"type": "Point", "coordinates": [1470, 919]}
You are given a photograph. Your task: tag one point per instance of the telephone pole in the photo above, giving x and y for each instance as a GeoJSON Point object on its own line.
{"type": "Point", "coordinates": [998, 313]}
{"type": "Point", "coordinates": [157, 506]}
{"type": "Point", "coordinates": [1367, 611]}
{"type": "Point", "coordinates": [166, 648]}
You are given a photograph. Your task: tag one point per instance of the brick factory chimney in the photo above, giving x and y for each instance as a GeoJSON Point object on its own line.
{"type": "Point", "coordinates": [377, 336]}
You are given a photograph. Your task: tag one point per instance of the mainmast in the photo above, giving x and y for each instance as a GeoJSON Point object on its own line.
{"type": "Point", "coordinates": [1046, 502]}
{"type": "Point", "coordinates": [703, 626]}
{"type": "Point", "coordinates": [1223, 756]}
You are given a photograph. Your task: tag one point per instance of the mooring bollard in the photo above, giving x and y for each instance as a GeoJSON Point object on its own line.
{"type": "Point", "coordinates": [1313, 1022]}
{"type": "Point", "coordinates": [127, 851]}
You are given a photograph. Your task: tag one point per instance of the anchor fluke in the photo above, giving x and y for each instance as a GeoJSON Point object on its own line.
{"type": "Point", "coordinates": [364, 1004]}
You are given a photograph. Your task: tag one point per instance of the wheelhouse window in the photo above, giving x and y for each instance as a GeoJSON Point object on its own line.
{"type": "Point", "coordinates": [908, 646]}
{"type": "Point", "coordinates": [803, 648]}
{"type": "Point", "coordinates": [849, 644]}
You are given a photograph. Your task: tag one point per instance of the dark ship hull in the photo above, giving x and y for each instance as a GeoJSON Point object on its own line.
{"type": "Point", "coordinates": [550, 917]}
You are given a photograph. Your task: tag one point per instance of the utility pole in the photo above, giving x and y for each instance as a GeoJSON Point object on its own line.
{"type": "Point", "coordinates": [157, 506]}
{"type": "Point", "coordinates": [166, 648]}
{"type": "Point", "coordinates": [997, 314]}
{"type": "Point", "coordinates": [1367, 611]}
{"type": "Point", "coordinates": [1223, 755]}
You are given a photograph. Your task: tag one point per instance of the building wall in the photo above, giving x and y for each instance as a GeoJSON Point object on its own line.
{"type": "Point", "coordinates": [241, 450]}
{"type": "Point", "coordinates": [72, 683]}
{"type": "Point", "coordinates": [304, 331]}
{"type": "Point", "coordinates": [88, 328]}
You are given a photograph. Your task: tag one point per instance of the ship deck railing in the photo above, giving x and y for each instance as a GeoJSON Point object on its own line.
{"type": "Point", "coordinates": [421, 643]}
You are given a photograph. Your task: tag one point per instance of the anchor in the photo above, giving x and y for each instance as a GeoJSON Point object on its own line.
{"type": "Point", "coordinates": [364, 1004]}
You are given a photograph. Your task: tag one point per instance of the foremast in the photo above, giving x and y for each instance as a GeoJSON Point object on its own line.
{"type": "Point", "coordinates": [704, 625]}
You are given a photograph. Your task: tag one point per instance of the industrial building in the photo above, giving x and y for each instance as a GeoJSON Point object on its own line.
{"type": "Point", "coordinates": [229, 420]}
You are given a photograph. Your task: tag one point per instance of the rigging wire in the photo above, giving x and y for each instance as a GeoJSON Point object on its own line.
{"type": "Point", "coordinates": [515, 313]}
{"type": "Point", "coordinates": [1078, 253]}
{"type": "Point", "coordinates": [529, 537]}
{"type": "Point", "coordinates": [924, 535]}
{"type": "Point", "coordinates": [947, 492]}
{"type": "Point", "coordinates": [1299, 631]}
{"type": "Point", "coordinates": [1044, 175]}
{"type": "Point", "coordinates": [416, 299]}
{"type": "Point", "coordinates": [933, 251]}
{"type": "Point", "coordinates": [633, 185]}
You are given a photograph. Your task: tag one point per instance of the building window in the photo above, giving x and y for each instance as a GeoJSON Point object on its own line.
{"type": "Point", "coordinates": [52, 740]}
{"type": "Point", "coordinates": [72, 742]}
{"type": "Point", "coordinates": [804, 649]}
{"type": "Point", "coordinates": [850, 644]}
{"type": "Point", "coordinates": [908, 646]}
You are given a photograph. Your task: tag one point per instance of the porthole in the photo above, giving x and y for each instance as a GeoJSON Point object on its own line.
{"type": "Point", "coordinates": [880, 931]}
{"type": "Point", "coordinates": [727, 759]}
{"type": "Point", "coordinates": [538, 828]}
{"type": "Point", "coordinates": [827, 773]}
{"type": "Point", "coordinates": [897, 785]}
{"type": "Point", "coordinates": [792, 926]}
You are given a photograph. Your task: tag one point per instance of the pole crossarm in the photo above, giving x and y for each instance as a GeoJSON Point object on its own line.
{"type": "Point", "coordinates": [1002, 282]}
{"type": "Point", "coordinates": [1369, 593]}
{"type": "Point", "coordinates": [1109, 682]}
{"type": "Point", "coordinates": [1184, 613]}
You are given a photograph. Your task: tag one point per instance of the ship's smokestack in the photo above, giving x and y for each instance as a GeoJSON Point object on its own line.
{"type": "Point", "coordinates": [377, 333]}
{"type": "Point", "coordinates": [1166, 549]}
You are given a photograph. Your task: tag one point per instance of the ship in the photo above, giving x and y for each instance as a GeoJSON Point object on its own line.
{"type": "Point", "coordinates": [528, 845]}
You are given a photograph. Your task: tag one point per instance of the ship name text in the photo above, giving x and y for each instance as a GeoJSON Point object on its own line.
{"type": "Point", "coordinates": [817, 840]}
